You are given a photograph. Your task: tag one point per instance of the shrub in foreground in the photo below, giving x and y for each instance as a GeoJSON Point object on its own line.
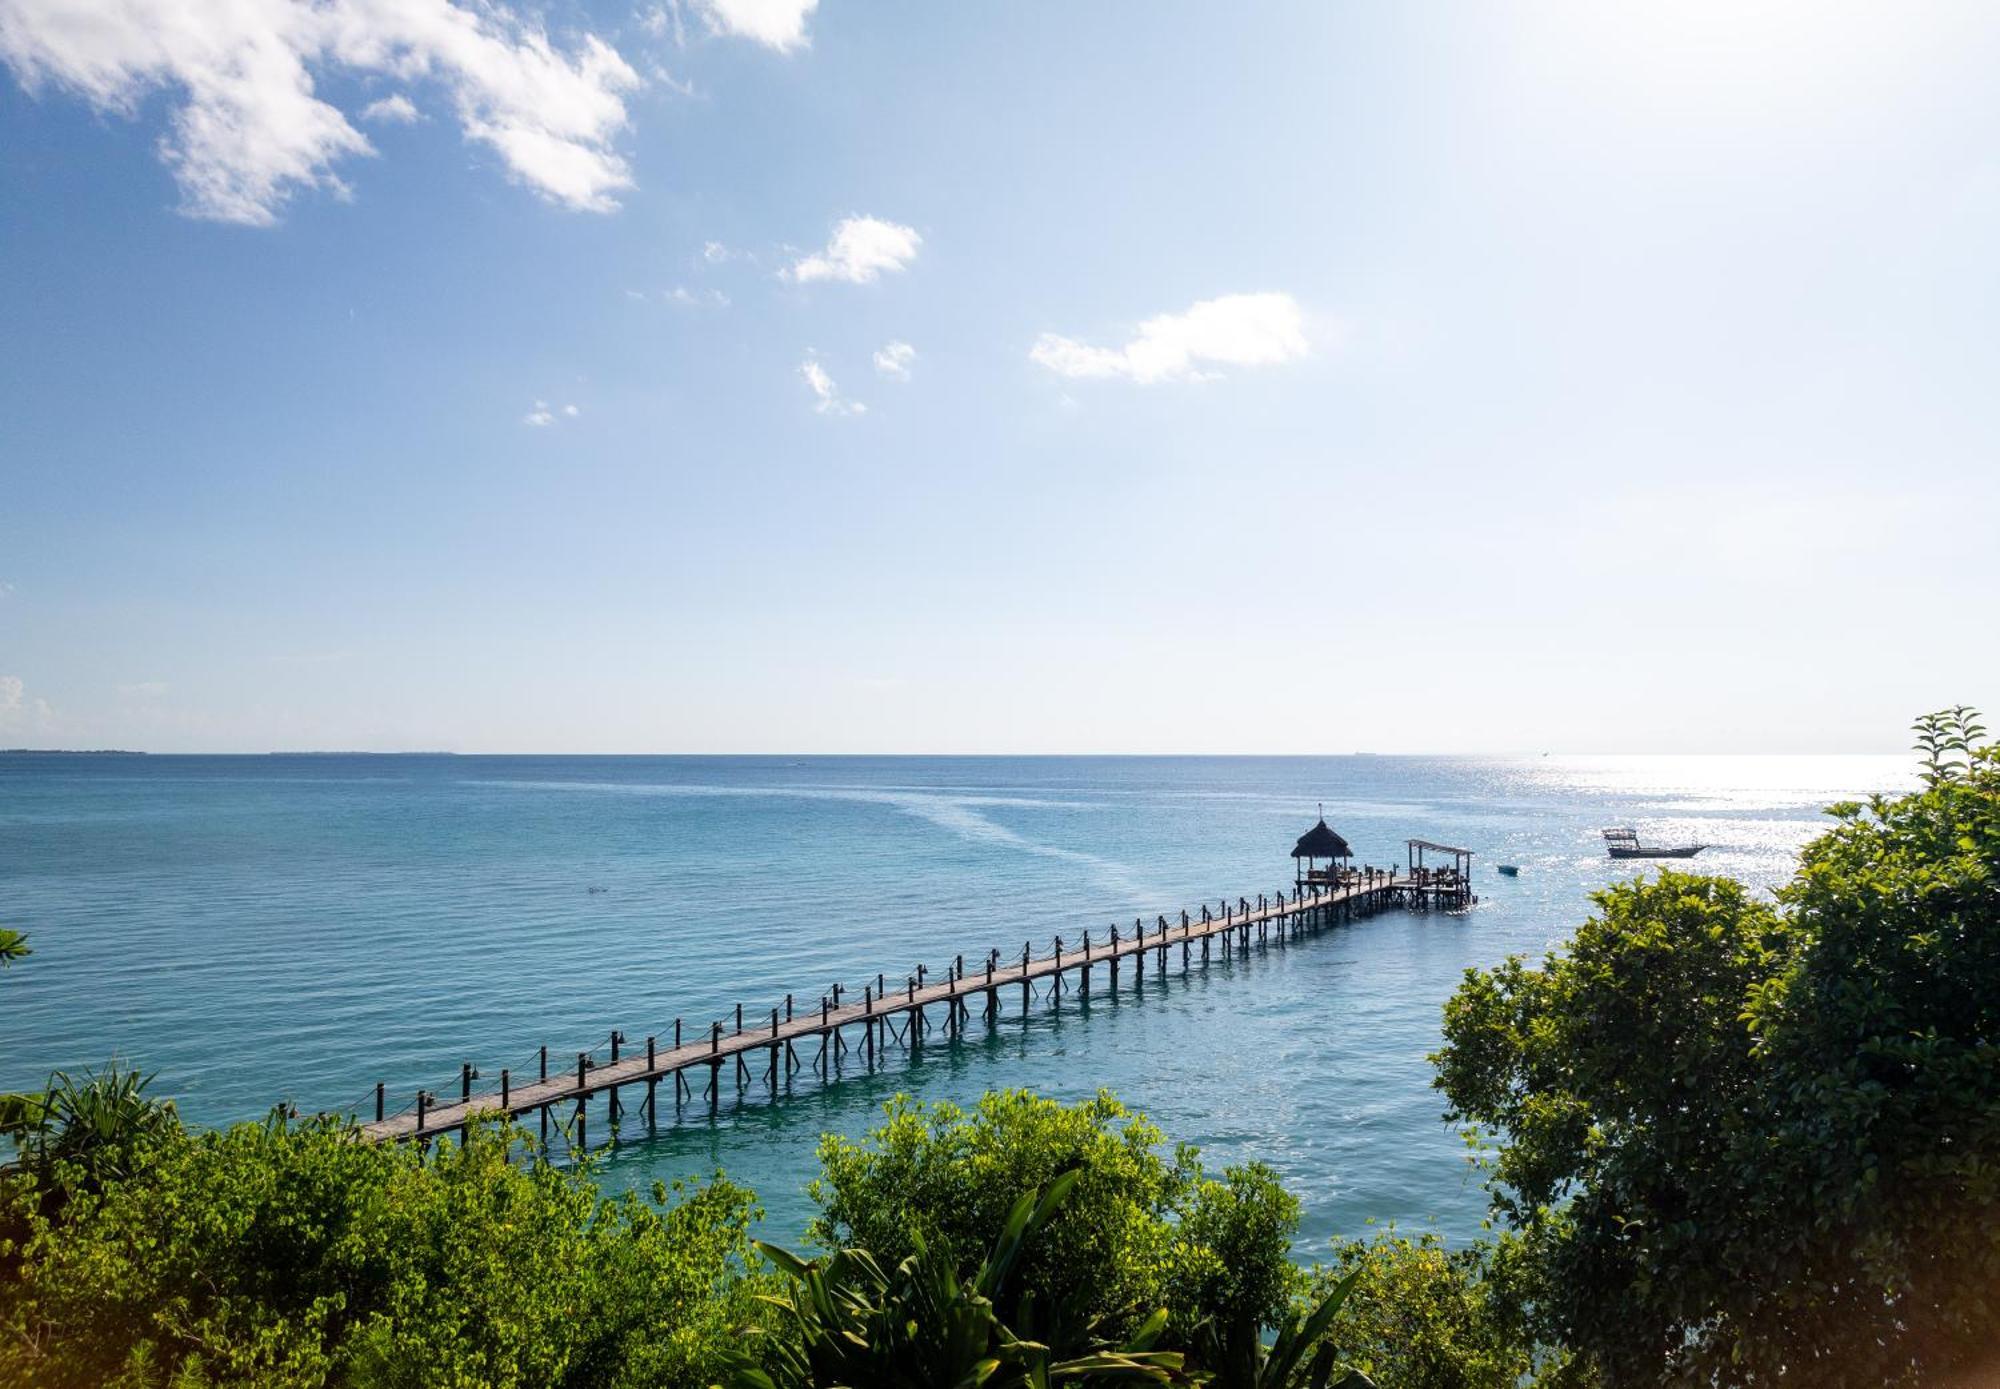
{"type": "Point", "coordinates": [1139, 1232]}
{"type": "Point", "coordinates": [299, 1255]}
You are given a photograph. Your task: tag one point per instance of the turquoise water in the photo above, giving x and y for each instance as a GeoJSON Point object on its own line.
{"type": "Point", "coordinates": [258, 929]}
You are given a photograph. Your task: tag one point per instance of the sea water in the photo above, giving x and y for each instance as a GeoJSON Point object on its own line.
{"type": "Point", "coordinates": [258, 930]}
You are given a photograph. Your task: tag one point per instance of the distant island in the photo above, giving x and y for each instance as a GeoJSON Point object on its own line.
{"type": "Point", "coordinates": [71, 752]}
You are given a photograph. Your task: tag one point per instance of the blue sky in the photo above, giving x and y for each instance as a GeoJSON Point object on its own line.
{"type": "Point", "coordinates": [1282, 378]}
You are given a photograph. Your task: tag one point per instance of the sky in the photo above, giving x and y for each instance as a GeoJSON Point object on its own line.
{"type": "Point", "coordinates": [770, 375]}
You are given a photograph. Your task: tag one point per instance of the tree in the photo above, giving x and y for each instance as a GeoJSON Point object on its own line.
{"type": "Point", "coordinates": [1739, 1141]}
{"type": "Point", "coordinates": [13, 946]}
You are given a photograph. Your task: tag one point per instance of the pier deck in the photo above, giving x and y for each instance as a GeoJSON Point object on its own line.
{"type": "Point", "coordinates": [900, 1013]}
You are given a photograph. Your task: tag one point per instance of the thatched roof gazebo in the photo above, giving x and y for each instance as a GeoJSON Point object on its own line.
{"type": "Point", "coordinates": [1319, 842]}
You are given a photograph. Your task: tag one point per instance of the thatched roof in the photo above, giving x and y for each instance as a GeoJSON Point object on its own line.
{"type": "Point", "coordinates": [1321, 842]}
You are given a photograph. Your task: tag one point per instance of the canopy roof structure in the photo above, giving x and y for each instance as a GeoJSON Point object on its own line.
{"type": "Point", "coordinates": [1438, 848]}
{"type": "Point", "coordinates": [1321, 842]}
{"type": "Point", "coordinates": [1461, 859]}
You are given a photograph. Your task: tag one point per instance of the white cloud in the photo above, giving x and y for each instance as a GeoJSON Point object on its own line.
{"type": "Point", "coordinates": [827, 397]}
{"type": "Point", "coordinates": [545, 414]}
{"type": "Point", "coordinates": [894, 360]}
{"type": "Point", "coordinates": [779, 24]}
{"type": "Point", "coordinates": [391, 110]}
{"type": "Point", "coordinates": [18, 711]}
{"type": "Point", "coordinates": [145, 689]}
{"type": "Point", "coordinates": [247, 129]}
{"type": "Point", "coordinates": [861, 249]}
{"type": "Point", "coordinates": [1238, 330]}
{"type": "Point", "coordinates": [714, 252]}
{"type": "Point", "coordinates": [692, 299]}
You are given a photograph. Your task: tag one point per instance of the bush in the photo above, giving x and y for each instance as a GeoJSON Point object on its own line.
{"type": "Point", "coordinates": [280, 1255]}
{"type": "Point", "coordinates": [1421, 1316]}
{"type": "Point", "coordinates": [1139, 1232]}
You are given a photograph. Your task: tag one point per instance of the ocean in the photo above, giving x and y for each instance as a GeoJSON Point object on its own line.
{"type": "Point", "coordinates": [258, 930]}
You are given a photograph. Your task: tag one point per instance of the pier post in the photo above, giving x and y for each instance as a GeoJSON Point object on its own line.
{"type": "Point", "coordinates": [423, 1110]}
{"type": "Point", "coordinates": [506, 1088]}
{"type": "Point", "coordinates": [677, 1034]}
{"type": "Point", "coordinates": [715, 1039]}
{"type": "Point", "coordinates": [617, 1040]}
{"type": "Point", "coordinates": [582, 1063]}
{"type": "Point", "coordinates": [1026, 953]}
{"type": "Point", "coordinates": [465, 1082]}
{"type": "Point", "coordinates": [381, 1099]}
{"type": "Point", "coordinates": [1084, 973]}
{"type": "Point", "coordinates": [545, 1063]}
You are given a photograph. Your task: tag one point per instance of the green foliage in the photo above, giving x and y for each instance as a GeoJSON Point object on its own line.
{"type": "Point", "coordinates": [13, 946]}
{"type": "Point", "coordinates": [1302, 1355]}
{"type": "Point", "coordinates": [1947, 739]}
{"type": "Point", "coordinates": [1421, 1316]}
{"type": "Point", "coordinates": [947, 1179]}
{"type": "Point", "coordinates": [1231, 1273]}
{"type": "Point", "coordinates": [1741, 1142]}
{"type": "Point", "coordinates": [279, 1255]}
{"type": "Point", "coordinates": [95, 1126]}
{"type": "Point", "coordinates": [846, 1322]}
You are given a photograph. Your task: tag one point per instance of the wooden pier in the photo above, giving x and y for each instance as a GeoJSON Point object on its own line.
{"type": "Point", "coordinates": [764, 1048]}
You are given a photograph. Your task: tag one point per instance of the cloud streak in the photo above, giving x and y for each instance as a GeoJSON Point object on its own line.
{"type": "Point", "coordinates": [247, 129]}
{"type": "Point", "coordinates": [894, 360]}
{"type": "Point", "coordinates": [827, 399]}
{"type": "Point", "coordinates": [1235, 330]}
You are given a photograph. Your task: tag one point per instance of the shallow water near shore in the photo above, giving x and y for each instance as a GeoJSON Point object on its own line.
{"type": "Point", "coordinates": [258, 929]}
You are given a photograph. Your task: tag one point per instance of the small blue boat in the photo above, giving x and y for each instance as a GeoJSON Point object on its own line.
{"type": "Point", "coordinates": [1509, 870]}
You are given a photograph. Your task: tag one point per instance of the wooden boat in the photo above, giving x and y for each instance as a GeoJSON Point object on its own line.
{"type": "Point", "coordinates": [1510, 870]}
{"type": "Point", "coordinates": [1624, 843]}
